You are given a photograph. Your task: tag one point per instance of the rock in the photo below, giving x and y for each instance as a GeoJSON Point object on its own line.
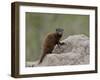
{"type": "Point", "coordinates": [75, 51]}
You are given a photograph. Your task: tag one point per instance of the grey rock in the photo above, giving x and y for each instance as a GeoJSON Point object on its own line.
{"type": "Point", "coordinates": [75, 51]}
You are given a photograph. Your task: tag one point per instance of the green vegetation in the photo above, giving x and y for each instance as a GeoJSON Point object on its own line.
{"type": "Point", "coordinates": [39, 24]}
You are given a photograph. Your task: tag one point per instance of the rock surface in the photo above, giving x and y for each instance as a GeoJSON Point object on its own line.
{"type": "Point", "coordinates": [75, 51]}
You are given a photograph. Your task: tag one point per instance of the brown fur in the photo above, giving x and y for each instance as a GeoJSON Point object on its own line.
{"type": "Point", "coordinates": [49, 43]}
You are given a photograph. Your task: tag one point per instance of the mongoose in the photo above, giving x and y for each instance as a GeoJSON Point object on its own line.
{"type": "Point", "coordinates": [50, 41]}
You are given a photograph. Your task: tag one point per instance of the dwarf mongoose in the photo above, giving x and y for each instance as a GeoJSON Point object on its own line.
{"type": "Point", "coordinates": [50, 41]}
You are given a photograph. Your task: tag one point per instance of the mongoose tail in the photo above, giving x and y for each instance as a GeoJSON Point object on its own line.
{"type": "Point", "coordinates": [42, 58]}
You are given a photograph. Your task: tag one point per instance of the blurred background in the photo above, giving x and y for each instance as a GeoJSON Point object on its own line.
{"type": "Point", "coordinates": [39, 24]}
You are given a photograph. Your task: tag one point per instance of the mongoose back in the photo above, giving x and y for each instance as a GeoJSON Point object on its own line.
{"type": "Point", "coordinates": [50, 41]}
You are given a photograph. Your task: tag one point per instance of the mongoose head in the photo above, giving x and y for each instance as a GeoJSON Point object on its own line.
{"type": "Point", "coordinates": [59, 31]}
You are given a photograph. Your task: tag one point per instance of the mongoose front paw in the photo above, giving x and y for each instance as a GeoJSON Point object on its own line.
{"type": "Point", "coordinates": [62, 43]}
